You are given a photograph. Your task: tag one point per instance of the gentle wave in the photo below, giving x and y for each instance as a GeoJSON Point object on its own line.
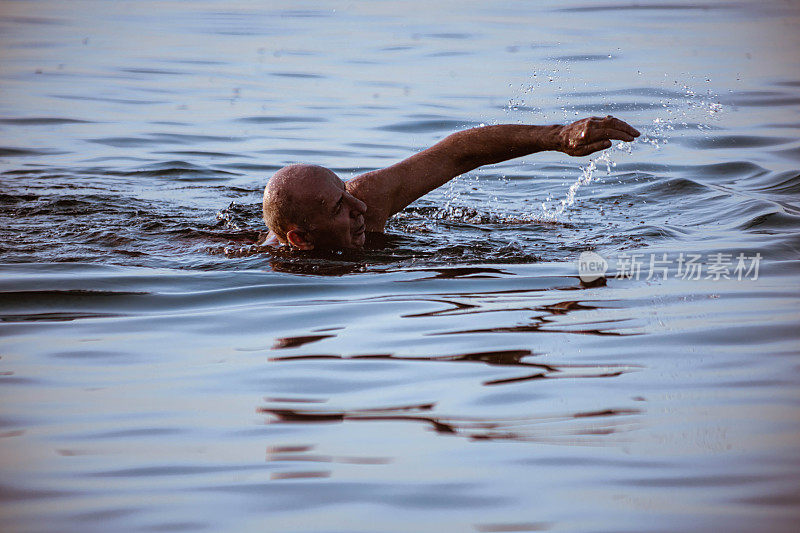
{"type": "Point", "coordinates": [280, 119]}
{"type": "Point", "coordinates": [42, 121]}
{"type": "Point", "coordinates": [650, 7]}
{"type": "Point", "coordinates": [426, 126]}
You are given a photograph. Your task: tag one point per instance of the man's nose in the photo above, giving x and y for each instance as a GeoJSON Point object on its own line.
{"type": "Point", "coordinates": [358, 207]}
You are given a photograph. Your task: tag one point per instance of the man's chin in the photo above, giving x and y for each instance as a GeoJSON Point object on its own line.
{"type": "Point", "coordinates": [358, 240]}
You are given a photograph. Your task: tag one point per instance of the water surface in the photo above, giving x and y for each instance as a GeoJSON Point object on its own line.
{"type": "Point", "coordinates": [160, 371]}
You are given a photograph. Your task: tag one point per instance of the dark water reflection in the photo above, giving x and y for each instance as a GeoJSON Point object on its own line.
{"type": "Point", "coordinates": [160, 370]}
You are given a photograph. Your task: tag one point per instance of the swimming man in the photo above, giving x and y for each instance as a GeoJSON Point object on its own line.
{"type": "Point", "coordinates": [309, 207]}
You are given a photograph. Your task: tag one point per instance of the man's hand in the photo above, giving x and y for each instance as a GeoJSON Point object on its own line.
{"type": "Point", "coordinates": [593, 134]}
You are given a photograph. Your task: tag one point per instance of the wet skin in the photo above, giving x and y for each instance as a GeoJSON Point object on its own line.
{"type": "Point", "coordinates": [339, 222]}
{"type": "Point", "coordinates": [337, 214]}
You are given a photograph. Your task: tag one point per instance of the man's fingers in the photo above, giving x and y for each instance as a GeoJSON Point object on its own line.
{"type": "Point", "coordinates": [592, 148]}
{"type": "Point", "coordinates": [608, 133]}
{"type": "Point", "coordinates": [617, 124]}
{"type": "Point", "coordinates": [621, 135]}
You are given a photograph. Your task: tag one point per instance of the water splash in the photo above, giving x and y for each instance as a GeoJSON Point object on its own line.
{"type": "Point", "coordinates": [682, 108]}
{"type": "Point", "coordinates": [693, 109]}
{"type": "Point", "coordinates": [693, 106]}
{"type": "Point", "coordinates": [551, 213]}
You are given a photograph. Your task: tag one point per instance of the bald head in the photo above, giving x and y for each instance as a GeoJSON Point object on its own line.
{"type": "Point", "coordinates": [286, 197]}
{"type": "Point", "coordinates": [307, 202]}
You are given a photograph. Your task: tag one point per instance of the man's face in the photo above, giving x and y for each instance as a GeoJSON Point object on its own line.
{"type": "Point", "coordinates": [336, 217]}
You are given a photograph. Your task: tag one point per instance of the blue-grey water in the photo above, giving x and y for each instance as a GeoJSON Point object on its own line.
{"type": "Point", "coordinates": [159, 371]}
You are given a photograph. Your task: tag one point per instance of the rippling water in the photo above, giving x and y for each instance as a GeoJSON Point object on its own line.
{"type": "Point", "coordinates": [161, 371]}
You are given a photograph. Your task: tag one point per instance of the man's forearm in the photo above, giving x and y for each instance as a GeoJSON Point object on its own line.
{"type": "Point", "coordinates": [387, 191]}
{"type": "Point", "coordinates": [472, 148]}
{"type": "Point", "coordinates": [492, 144]}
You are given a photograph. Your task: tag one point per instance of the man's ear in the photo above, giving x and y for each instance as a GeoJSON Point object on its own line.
{"type": "Point", "coordinates": [299, 239]}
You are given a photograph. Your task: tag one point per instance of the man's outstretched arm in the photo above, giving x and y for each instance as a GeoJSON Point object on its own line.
{"type": "Point", "coordinates": [389, 190]}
